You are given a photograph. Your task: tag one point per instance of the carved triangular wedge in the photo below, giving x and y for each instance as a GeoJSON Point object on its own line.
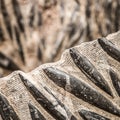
{"type": "Point", "coordinates": [83, 85]}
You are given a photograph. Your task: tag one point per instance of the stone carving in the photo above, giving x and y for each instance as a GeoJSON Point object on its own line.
{"type": "Point", "coordinates": [83, 85]}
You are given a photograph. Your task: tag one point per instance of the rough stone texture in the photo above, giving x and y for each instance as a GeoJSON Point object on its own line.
{"type": "Point", "coordinates": [68, 89]}
{"type": "Point", "coordinates": [36, 32]}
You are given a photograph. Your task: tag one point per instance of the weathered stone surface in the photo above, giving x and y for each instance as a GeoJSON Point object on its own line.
{"type": "Point", "coordinates": [74, 88]}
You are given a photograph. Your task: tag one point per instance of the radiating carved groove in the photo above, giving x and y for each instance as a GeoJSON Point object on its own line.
{"type": "Point", "coordinates": [89, 70]}
{"type": "Point", "coordinates": [35, 113]}
{"type": "Point", "coordinates": [72, 117]}
{"type": "Point", "coordinates": [39, 18]}
{"type": "Point", "coordinates": [6, 17]}
{"type": "Point", "coordinates": [18, 14]}
{"type": "Point", "coordinates": [115, 80]}
{"type": "Point", "coordinates": [42, 100]}
{"type": "Point", "coordinates": [19, 44]}
{"type": "Point", "coordinates": [88, 115]}
{"type": "Point", "coordinates": [109, 48]}
{"type": "Point", "coordinates": [1, 34]}
{"type": "Point", "coordinates": [81, 90]}
{"type": "Point", "coordinates": [32, 16]}
{"type": "Point", "coordinates": [7, 63]}
{"type": "Point", "coordinates": [39, 54]}
{"type": "Point", "coordinates": [6, 110]}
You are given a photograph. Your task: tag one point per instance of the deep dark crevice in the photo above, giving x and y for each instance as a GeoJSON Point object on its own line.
{"type": "Point", "coordinates": [21, 51]}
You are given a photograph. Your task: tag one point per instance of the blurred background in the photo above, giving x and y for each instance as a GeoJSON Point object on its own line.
{"type": "Point", "coordinates": [33, 32]}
